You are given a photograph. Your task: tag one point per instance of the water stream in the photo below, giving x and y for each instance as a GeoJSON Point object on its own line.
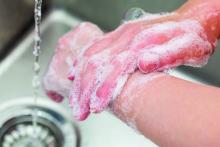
{"type": "Point", "coordinates": [36, 53]}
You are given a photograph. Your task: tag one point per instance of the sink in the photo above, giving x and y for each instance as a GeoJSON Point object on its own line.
{"type": "Point", "coordinates": [100, 130]}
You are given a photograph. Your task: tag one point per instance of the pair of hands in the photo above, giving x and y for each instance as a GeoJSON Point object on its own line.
{"type": "Point", "coordinates": [98, 65]}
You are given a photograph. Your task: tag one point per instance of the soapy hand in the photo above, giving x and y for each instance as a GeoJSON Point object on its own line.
{"type": "Point", "coordinates": [55, 82]}
{"type": "Point", "coordinates": [151, 43]}
{"type": "Point", "coordinates": [103, 68]}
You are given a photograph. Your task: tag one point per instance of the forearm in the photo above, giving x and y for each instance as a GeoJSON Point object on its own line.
{"type": "Point", "coordinates": [207, 12]}
{"type": "Point", "coordinates": [170, 111]}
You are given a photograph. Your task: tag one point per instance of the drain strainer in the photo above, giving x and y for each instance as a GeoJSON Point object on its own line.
{"type": "Point", "coordinates": [53, 129]}
{"type": "Point", "coordinates": [29, 136]}
{"type": "Point", "coordinates": [20, 132]}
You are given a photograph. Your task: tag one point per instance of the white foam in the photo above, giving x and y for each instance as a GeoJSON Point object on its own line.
{"type": "Point", "coordinates": [102, 73]}
{"type": "Point", "coordinates": [190, 41]}
{"type": "Point", "coordinates": [121, 57]}
{"type": "Point", "coordinates": [168, 29]}
{"type": "Point", "coordinates": [193, 37]}
{"type": "Point", "coordinates": [120, 85]}
{"type": "Point", "coordinates": [128, 104]}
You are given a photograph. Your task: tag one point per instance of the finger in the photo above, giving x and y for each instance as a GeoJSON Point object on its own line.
{"type": "Point", "coordinates": [115, 41]}
{"type": "Point", "coordinates": [188, 49]}
{"type": "Point", "coordinates": [126, 62]}
{"type": "Point", "coordinates": [101, 67]}
{"type": "Point", "coordinates": [158, 34]}
{"type": "Point", "coordinates": [113, 80]}
{"type": "Point", "coordinates": [55, 96]}
{"type": "Point", "coordinates": [71, 73]}
{"type": "Point", "coordinates": [83, 85]}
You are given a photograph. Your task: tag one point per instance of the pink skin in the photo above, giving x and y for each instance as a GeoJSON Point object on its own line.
{"type": "Point", "coordinates": [110, 60]}
{"type": "Point", "coordinates": [104, 64]}
{"type": "Point", "coordinates": [55, 80]}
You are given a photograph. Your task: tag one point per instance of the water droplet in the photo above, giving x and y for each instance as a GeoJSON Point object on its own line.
{"type": "Point", "coordinates": [36, 67]}
{"type": "Point", "coordinates": [134, 13]}
{"type": "Point", "coordinates": [36, 83]}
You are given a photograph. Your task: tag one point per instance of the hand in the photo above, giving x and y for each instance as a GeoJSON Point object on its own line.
{"type": "Point", "coordinates": [151, 43]}
{"type": "Point", "coordinates": [148, 45]}
{"type": "Point", "coordinates": [55, 82]}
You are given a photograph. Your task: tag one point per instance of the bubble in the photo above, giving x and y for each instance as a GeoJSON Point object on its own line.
{"type": "Point", "coordinates": [134, 13]}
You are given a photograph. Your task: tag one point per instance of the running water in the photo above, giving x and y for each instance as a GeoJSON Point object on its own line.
{"type": "Point", "coordinates": [36, 52]}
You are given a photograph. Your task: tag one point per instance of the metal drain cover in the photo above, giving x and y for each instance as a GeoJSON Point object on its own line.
{"type": "Point", "coordinates": [29, 136]}
{"type": "Point", "coordinates": [53, 129]}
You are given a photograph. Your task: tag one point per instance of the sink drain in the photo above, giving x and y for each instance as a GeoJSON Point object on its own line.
{"type": "Point", "coordinates": [54, 128]}
{"type": "Point", "coordinates": [19, 132]}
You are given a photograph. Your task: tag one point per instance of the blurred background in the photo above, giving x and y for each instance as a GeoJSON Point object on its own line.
{"type": "Point", "coordinates": [16, 16]}
{"type": "Point", "coordinates": [59, 16]}
{"type": "Point", "coordinates": [109, 14]}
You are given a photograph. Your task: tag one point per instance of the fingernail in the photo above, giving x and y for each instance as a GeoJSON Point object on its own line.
{"type": "Point", "coordinates": [55, 96]}
{"type": "Point", "coordinates": [71, 74]}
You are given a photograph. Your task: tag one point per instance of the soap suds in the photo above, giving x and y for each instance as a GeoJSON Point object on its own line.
{"type": "Point", "coordinates": [192, 45]}
{"type": "Point", "coordinates": [185, 43]}
{"type": "Point", "coordinates": [106, 62]}
{"type": "Point", "coordinates": [55, 80]}
{"type": "Point", "coordinates": [120, 84]}
{"type": "Point", "coordinates": [126, 106]}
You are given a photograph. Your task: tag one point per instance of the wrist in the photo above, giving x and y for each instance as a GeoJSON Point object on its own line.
{"type": "Point", "coordinates": [129, 103]}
